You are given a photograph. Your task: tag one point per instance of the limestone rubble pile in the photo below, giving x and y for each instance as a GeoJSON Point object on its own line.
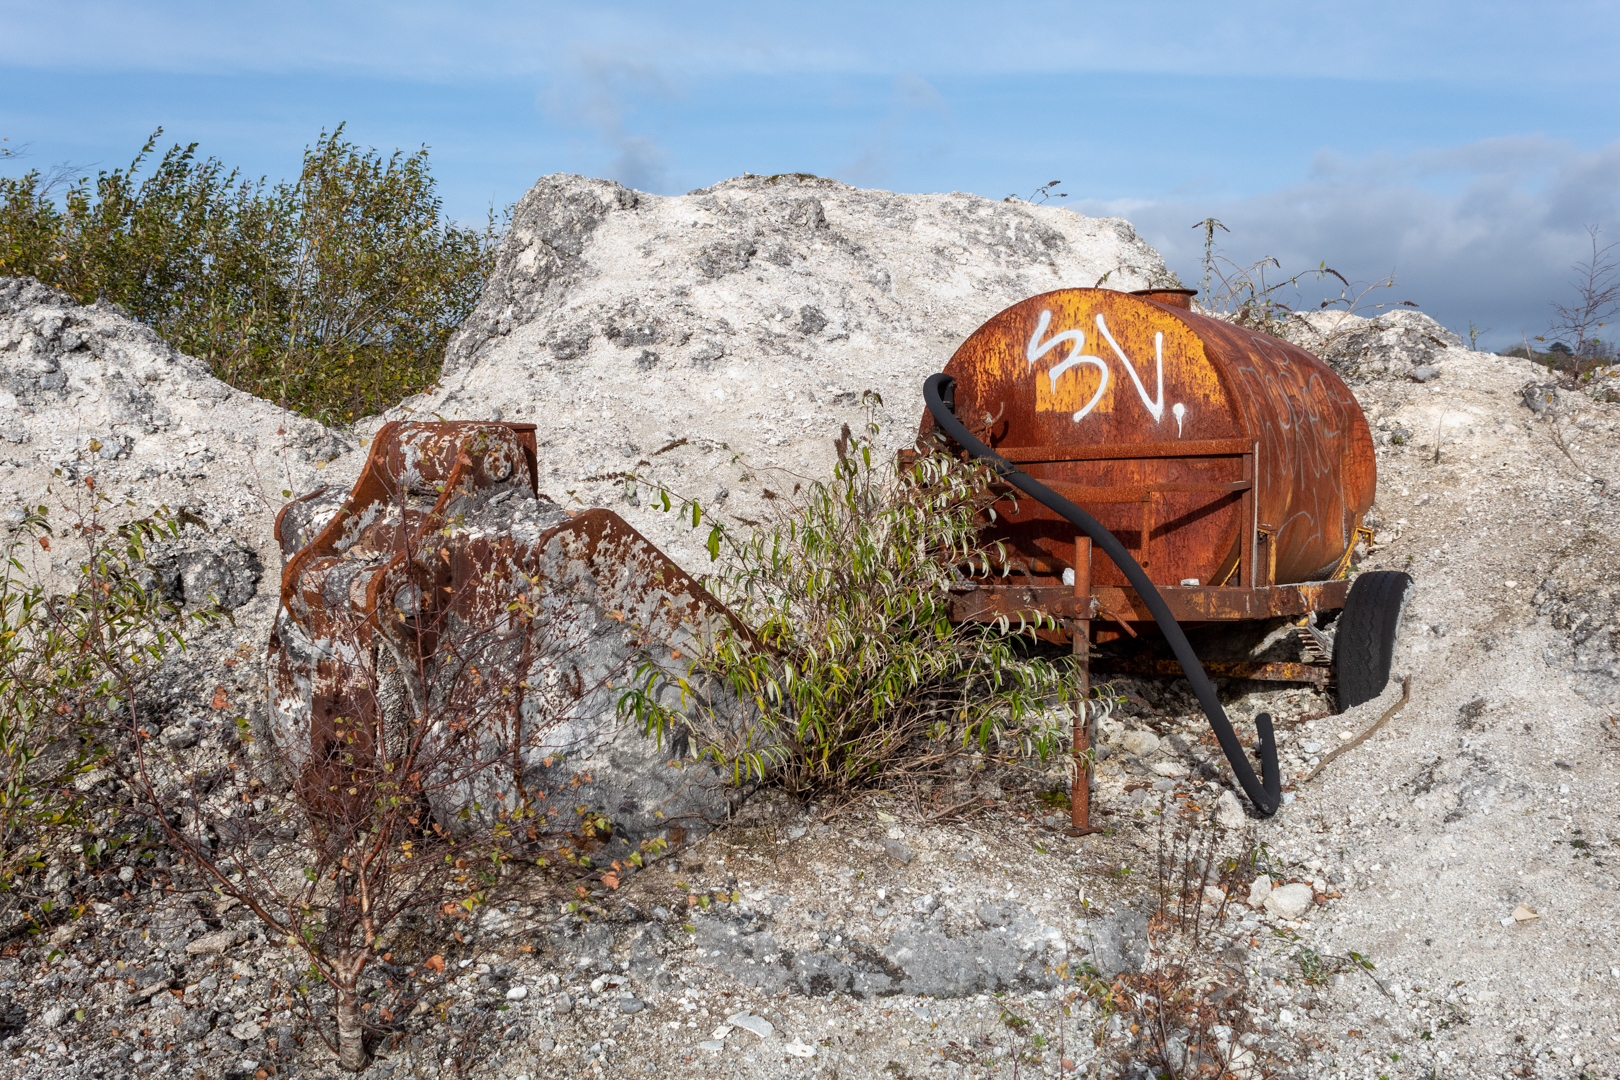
{"type": "Point", "coordinates": [86, 393]}
{"type": "Point", "coordinates": [1400, 343]}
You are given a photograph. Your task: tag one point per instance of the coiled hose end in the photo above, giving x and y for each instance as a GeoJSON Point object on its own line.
{"type": "Point", "coordinates": [1270, 773]}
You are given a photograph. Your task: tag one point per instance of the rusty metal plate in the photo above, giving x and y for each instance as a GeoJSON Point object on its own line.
{"type": "Point", "coordinates": [445, 591]}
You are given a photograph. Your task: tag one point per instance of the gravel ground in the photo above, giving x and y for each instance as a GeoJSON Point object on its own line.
{"type": "Point", "coordinates": [1493, 791]}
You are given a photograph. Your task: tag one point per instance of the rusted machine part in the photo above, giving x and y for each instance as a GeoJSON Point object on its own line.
{"type": "Point", "coordinates": [442, 532]}
{"type": "Point", "coordinates": [1317, 675]}
{"type": "Point", "coordinates": [1215, 453]}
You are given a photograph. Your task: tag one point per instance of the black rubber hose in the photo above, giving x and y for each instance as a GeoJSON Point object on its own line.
{"type": "Point", "coordinates": [1267, 796]}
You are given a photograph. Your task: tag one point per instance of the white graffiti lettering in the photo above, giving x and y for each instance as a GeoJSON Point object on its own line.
{"type": "Point", "coordinates": [1038, 348]}
{"type": "Point", "coordinates": [1155, 408]}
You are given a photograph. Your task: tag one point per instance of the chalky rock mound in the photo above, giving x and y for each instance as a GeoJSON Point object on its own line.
{"type": "Point", "coordinates": [90, 396]}
{"type": "Point", "coordinates": [87, 393]}
{"type": "Point", "coordinates": [1401, 343]}
{"type": "Point", "coordinates": [749, 317]}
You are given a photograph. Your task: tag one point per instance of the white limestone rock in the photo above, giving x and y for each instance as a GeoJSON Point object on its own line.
{"type": "Point", "coordinates": [1289, 901]}
{"type": "Point", "coordinates": [749, 317]}
{"type": "Point", "coordinates": [89, 394]}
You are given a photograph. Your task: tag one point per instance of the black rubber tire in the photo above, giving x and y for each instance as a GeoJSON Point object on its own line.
{"type": "Point", "coordinates": [1367, 628]}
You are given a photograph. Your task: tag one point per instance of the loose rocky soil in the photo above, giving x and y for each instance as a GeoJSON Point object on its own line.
{"type": "Point", "coordinates": [1446, 893]}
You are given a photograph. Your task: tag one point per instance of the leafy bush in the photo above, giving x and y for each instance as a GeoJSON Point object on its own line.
{"type": "Point", "coordinates": [72, 667]}
{"type": "Point", "coordinates": [333, 294]}
{"type": "Point", "coordinates": [855, 670]}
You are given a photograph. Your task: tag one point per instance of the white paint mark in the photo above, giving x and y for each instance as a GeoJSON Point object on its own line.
{"type": "Point", "coordinates": [1180, 412]}
{"type": "Point", "coordinates": [1038, 348]}
{"type": "Point", "coordinates": [1155, 408]}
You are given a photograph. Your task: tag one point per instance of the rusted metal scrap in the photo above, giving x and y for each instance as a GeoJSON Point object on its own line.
{"type": "Point", "coordinates": [446, 589]}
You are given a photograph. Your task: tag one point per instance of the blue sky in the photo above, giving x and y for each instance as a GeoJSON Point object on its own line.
{"type": "Point", "coordinates": [1462, 147]}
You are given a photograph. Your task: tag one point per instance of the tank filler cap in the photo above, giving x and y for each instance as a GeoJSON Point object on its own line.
{"type": "Point", "coordinates": [1177, 298]}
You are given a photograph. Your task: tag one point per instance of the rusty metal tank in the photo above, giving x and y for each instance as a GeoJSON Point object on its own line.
{"type": "Point", "coordinates": [1220, 456]}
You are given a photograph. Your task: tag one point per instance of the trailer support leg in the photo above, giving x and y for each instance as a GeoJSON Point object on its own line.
{"type": "Point", "coordinates": [1080, 790]}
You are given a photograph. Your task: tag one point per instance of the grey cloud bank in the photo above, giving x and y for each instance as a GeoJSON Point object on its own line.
{"type": "Point", "coordinates": [1485, 232]}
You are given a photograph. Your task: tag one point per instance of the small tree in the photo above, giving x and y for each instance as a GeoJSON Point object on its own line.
{"type": "Point", "coordinates": [72, 665]}
{"type": "Point", "coordinates": [1596, 288]}
{"type": "Point", "coordinates": [412, 797]}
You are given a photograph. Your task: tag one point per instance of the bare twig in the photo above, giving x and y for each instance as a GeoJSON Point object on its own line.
{"type": "Point", "coordinates": [1406, 695]}
{"type": "Point", "coordinates": [1556, 434]}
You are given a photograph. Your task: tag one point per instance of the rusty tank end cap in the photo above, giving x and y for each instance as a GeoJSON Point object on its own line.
{"type": "Point", "coordinates": [1177, 298]}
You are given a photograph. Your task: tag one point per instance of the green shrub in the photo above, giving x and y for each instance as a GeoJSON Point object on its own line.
{"type": "Point", "coordinates": [854, 669]}
{"type": "Point", "coordinates": [72, 667]}
{"type": "Point", "coordinates": [333, 294]}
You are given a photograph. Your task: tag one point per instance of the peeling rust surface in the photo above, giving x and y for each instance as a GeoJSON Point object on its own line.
{"type": "Point", "coordinates": [1219, 456]}
{"type": "Point", "coordinates": [444, 589]}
